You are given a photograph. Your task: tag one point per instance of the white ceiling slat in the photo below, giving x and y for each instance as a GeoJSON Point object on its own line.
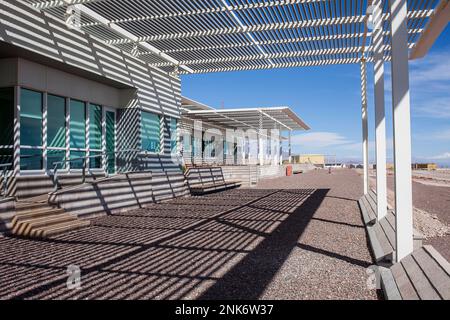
{"type": "Point", "coordinates": [232, 35]}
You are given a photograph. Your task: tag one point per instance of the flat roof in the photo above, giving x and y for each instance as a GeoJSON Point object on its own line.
{"type": "Point", "coordinates": [228, 35]}
{"type": "Point", "coordinates": [282, 118]}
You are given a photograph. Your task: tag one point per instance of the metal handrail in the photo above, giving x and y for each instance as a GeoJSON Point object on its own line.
{"type": "Point", "coordinates": [5, 167]}
{"type": "Point", "coordinates": [83, 179]}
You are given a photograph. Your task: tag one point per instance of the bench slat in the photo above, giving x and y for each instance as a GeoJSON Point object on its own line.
{"type": "Point", "coordinates": [373, 204]}
{"type": "Point", "coordinates": [439, 279]}
{"type": "Point", "coordinates": [405, 287]}
{"type": "Point", "coordinates": [388, 231]}
{"type": "Point", "coordinates": [388, 284]}
{"type": "Point", "coordinates": [418, 279]}
{"type": "Point", "coordinates": [379, 243]}
{"type": "Point", "coordinates": [369, 210]}
{"type": "Point", "coordinates": [365, 215]}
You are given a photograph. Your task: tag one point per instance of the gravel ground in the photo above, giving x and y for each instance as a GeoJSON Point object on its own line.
{"type": "Point", "coordinates": [330, 258]}
{"type": "Point", "coordinates": [436, 201]}
{"type": "Point", "coordinates": [298, 237]}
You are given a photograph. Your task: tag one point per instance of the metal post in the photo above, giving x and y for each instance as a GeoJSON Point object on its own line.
{"type": "Point", "coordinates": [83, 178]}
{"type": "Point", "coordinates": [402, 128]}
{"type": "Point", "coordinates": [67, 164]}
{"type": "Point", "coordinates": [365, 140]}
{"type": "Point", "coordinates": [44, 130]}
{"type": "Point", "coordinates": [55, 177]}
{"type": "Point", "coordinates": [5, 181]}
{"type": "Point", "coordinates": [16, 155]}
{"type": "Point", "coordinates": [380, 122]}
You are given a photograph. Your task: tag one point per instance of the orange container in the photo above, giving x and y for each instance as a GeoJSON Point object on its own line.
{"type": "Point", "coordinates": [288, 170]}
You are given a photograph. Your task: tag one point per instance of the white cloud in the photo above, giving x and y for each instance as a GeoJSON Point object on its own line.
{"type": "Point", "coordinates": [430, 80]}
{"type": "Point", "coordinates": [434, 67]}
{"type": "Point", "coordinates": [435, 107]}
{"type": "Point", "coordinates": [320, 139]}
{"type": "Point", "coordinates": [443, 156]}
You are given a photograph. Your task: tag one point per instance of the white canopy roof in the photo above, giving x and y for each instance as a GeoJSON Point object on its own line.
{"type": "Point", "coordinates": [282, 118]}
{"type": "Point", "coordinates": [226, 35]}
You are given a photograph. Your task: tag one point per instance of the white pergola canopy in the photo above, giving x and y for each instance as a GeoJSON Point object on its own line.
{"type": "Point", "coordinates": [227, 35]}
{"type": "Point", "coordinates": [281, 118]}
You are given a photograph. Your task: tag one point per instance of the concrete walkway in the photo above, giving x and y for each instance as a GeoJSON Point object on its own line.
{"type": "Point", "coordinates": [298, 237]}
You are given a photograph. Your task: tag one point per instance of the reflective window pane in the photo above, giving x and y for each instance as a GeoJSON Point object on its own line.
{"type": "Point", "coordinates": [7, 116]}
{"type": "Point", "coordinates": [77, 124]}
{"type": "Point", "coordinates": [95, 160]}
{"type": "Point", "coordinates": [95, 126]}
{"type": "Point", "coordinates": [150, 134]}
{"type": "Point", "coordinates": [30, 118]}
{"type": "Point", "coordinates": [55, 156]}
{"type": "Point", "coordinates": [30, 159]}
{"type": "Point", "coordinates": [6, 155]}
{"type": "Point", "coordinates": [56, 121]}
{"type": "Point", "coordinates": [77, 163]}
{"type": "Point", "coordinates": [173, 135]}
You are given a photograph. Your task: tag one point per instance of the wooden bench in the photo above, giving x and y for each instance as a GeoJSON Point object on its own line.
{"type": "Point", "coordinates": [422, 275]}
{"type": "Point", "coordinates": [368, 206]}
{"type": "Point", "coordinates": [202, 180]}
{"type": "Point", "coordinates": [382, 233]}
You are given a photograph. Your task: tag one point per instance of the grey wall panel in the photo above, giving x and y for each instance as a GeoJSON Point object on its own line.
{"type": "Point", "coordinates": [30, 29]}
{"type": "Point", "coordinates": [8, 74]}
{"type": "Point", "coordinates": [44, 78]}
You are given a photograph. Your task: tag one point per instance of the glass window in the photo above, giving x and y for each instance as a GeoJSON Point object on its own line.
{"type": "Point", "coordinates": [95, 160]}
{"type": "Point", "coordinates": [150, 135]}
{"type": "Point", "coordinates": [173, 135]}
{"type": "Point", "coordinates": [55, 156]}
{"type": "Point", "coordinates": [7, 116]}
{"type": "Point", "coordinates": [77, 124]}
{"type": "Point", "coordinates": [6, 125]}
{"type": "Point", "coordinates": [77, 163]}
{"type": "Point", "coordinates": [95, 127]}
{"type": "Point", "coordinates": [30, 159]}
{"type": "Point", "coordinates": [30, 118]}
{"type": "Point", "coordinates": [56, 121]}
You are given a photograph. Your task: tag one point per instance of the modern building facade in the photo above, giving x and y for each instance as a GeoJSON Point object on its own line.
{"type": "Point", "coordinates": [65, 95]}
{"type": "Point", "coordinates": [74, 104]}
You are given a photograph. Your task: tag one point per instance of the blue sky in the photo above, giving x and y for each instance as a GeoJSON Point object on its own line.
{"type": "Point", "coordinates": [328, 100]}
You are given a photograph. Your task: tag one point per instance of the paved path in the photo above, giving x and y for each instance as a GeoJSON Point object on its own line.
{"type": "Point", "coordinates": [293, 238]}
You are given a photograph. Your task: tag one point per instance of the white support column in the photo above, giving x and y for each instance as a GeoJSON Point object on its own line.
{"type": "Point", "coordinates": [280, 147]}
{"type": "Point", "coordinates": [365, 138]}
{"type": "Point", "coordinates": [16, 154]}
{"type": "Point", "coordinates": [260, 142]}
{"type": "Point", "coordinates": [380, 121]}
{"type": "Point", "coordinates": [402, 128]}
{"type": "Point", "coordinates": [289, 147]}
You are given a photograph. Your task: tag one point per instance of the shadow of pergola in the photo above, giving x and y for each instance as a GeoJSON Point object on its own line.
{"type": "Point", "coordinates": [227, 245]}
